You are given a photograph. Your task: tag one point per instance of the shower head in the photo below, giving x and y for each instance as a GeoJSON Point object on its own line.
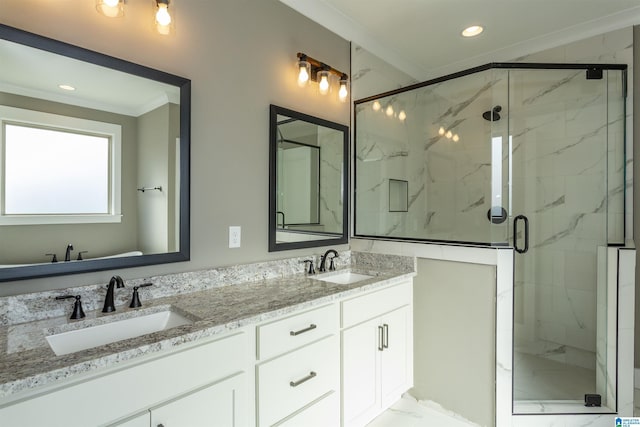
{"type": "Point", "coordinates": [492, 115]}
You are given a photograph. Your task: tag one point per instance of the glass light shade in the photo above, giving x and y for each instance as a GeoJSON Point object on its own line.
{"type": "Point", "coordinates": [402, 115]}
{"type": "Point", "coordinates": [323, 82]}
{"type": "Point", "coordinates": [304, 73]}
{"type": "Point", "coordinates": [456, 138]}
{"type": "Point", "coordinates": [163, 19]}
{"type": "Point", "coordinates": [110, 8]}
{"type": "Point", "coordinates": [389, 111]}
{"type": "Point", "coordinates": [449, 134]}
{"type": "Point", "coordinates": [441, 131]}
{"type": "Point", "coordinates": [343, 92]}
{"type": "Point", "coordinates": [376, 106]}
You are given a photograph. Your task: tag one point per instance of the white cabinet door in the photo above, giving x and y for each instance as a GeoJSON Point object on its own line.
{"type": "Point", "coordinates": [222, 404]}
{"type": "Point", "coordinates": [377, 354]}
{"type": "Point", "coordinates": [360, 370]}
{"type": "Point", "coordinates": [325, 413]}
{"type": "Point", "coordinates": [394, 365]}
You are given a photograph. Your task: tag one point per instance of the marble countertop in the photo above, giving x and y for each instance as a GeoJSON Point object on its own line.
{"type": "Point", "coordinates": [27, 361]}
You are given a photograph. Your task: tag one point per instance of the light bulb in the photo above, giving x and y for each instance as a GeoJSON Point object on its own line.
{"type": "Point", "coordinates": [376, 106]}
{"type": "Point", "coordinates": [456, 138]}
{"type": "Point", "coordinates": [163, 19]}
{"type": "Point", "coordinates": [449, 134]}
{"type": "Point", "coordinates": [303, 76]}
{"type": "Point", "coordinates": [162, 15]}
{"type": "Point", "coordinates": [110, 8]}
{"type": "Point", "coordinates": [323, 83]}
{"type": "Point", "coordinates": [343, 93]}
{"type": "Point", "coordinates": [402, 115]}
{"type": "Point", "coordinates": [441, 131]}
{"type": "Point", "coordinates": [389, 111]}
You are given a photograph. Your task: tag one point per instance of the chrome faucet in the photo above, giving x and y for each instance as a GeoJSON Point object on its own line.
{"type": "Point", "coordinates": [109, 305]}
{"type": "Point", "coordinates": [67, 254]}
{"type": "Point", "coordinates": [322, 267]}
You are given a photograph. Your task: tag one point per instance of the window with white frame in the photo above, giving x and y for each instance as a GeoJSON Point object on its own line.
{"type": "Point", "coordinates": [58, 169]}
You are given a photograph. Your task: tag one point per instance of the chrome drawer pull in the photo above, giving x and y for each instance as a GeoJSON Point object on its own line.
{"type": "Point", "coordinates": [303, 380]}
{"type": "Point", "coordinates": [302, 331]}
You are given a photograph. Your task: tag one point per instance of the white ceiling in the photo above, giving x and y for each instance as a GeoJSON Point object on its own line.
{"type": "Point", "coordinates": [36, 73]}
{"type": "Point", "coordinates": [422, 37]}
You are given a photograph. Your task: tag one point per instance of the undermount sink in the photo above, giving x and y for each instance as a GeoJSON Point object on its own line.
{"type": "Point", "coordinates": [345, 278]}
{"type": "Point", "coordinates": [94, 336]}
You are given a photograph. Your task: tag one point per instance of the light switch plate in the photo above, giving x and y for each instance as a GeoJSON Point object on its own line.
{"type": "Point", "coordinates": [234, 236]}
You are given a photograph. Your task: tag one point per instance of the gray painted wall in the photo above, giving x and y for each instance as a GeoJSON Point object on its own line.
{"type": "Point", "coordinates": [157, 133]}
{"type": "Point", "coordinates": [454, 337]}
{"type": "Point", "coordinates": [240, 56]}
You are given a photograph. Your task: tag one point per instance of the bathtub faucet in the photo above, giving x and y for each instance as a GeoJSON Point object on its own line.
{"type": "Point", "coordinates": [67, 254]}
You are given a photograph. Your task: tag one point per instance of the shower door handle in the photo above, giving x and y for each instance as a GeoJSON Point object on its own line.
{"type": "Point", "coordinates": [526, 234]}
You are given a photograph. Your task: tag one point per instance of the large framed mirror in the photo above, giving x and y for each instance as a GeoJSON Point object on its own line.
{"type": "Point", "coordinates": [94, 160]}
{"type": "Point", "coordinates": [308, 181]}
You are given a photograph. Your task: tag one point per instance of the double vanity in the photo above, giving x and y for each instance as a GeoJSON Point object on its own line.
{"type": "Point", "coordinates": [262, 344]}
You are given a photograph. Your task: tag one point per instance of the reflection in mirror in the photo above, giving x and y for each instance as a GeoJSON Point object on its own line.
{"type": "Point", "coordinates": [308, 181]}
{"type": "Point", "coordinates": [298, 181]}
{"type": "Point", "coordinates": [95, 160]}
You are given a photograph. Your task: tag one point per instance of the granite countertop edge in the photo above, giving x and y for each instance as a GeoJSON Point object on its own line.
{"type": "Point", "coordinates": [22, 371]}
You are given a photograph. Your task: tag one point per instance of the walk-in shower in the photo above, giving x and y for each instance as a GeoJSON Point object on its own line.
{"type": "Point", "coordinates": [529, 156]}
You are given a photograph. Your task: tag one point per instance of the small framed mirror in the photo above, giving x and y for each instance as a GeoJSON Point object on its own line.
{"type": "Point", "coordinates": [308, 181]}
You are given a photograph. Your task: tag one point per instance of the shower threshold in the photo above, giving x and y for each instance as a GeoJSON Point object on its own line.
{"type": "Point", "coordinates": [556, 407]}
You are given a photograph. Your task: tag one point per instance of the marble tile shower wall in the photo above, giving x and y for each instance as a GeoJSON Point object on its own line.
{"type": "Point", "coordinates": [560, 183]}
{"type": "Point", "coordinates": [331, 161]}
{"type": "Point", "coordinates": [577, 167]}
{"type": "Point", "coordinates": [615, 47]}
{"type": "Point", "coordinates": [449, 175]}
{"type": "Point", "coordinates": [568, 160]}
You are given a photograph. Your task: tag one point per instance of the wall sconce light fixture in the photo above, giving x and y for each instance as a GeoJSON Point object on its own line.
{"type": "Point", "coordinates": [310, 69]}
{"type": "Point", "coordinates": [163, 17]}
{"type": "Point", "coordinates": [110, 8]}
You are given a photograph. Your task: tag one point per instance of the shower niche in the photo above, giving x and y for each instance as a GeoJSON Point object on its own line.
{"type": "Point", "coordinates": [523, 156]}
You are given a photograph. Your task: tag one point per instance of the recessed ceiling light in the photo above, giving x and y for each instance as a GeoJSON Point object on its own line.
{"type": "Point", "coordinates": [66, 87]}
{"type": "Point", "coordinates": [472, 31]}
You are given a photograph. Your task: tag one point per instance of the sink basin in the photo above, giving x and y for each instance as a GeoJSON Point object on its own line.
{"type": "Point", "coordinates": [94, 336]}
{"type": "Point", "coordinates": [345, 278]}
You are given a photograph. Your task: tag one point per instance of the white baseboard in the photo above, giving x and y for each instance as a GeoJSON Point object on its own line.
{"type": "Point", "coordinates": [636, 378]}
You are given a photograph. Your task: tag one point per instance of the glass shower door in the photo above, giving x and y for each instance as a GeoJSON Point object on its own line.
{"type": "Point", "coordinates": [559, 131]}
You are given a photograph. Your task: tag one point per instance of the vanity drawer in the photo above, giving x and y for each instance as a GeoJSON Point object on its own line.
{"type": "Point", "coordinates": [292, 332]}
{"type": "Point", "coordinates": [292, 381]}
{"type": "Point", "coordinates": [362, 308]}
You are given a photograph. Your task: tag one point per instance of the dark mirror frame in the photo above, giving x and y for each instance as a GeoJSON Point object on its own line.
{"type": "Point", "coordinates": [274, 111]}
{"type": "Point", "coordinates": [62, 268]}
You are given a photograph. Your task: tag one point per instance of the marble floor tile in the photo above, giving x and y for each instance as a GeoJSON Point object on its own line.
{"type": "Point", "coordinates": [537, 378]}
{"type": "Point", "coordinates": [408, 412]}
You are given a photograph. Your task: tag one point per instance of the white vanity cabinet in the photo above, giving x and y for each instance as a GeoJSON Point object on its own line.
{"type": "Point", "coordinates": [212, 406]}
{"type": "Point", "coordinates": [298, 372]}
{"type": "Point", "coordinates": [377, 352]}
{"type": "Point", "coordinates": [202, 385]}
